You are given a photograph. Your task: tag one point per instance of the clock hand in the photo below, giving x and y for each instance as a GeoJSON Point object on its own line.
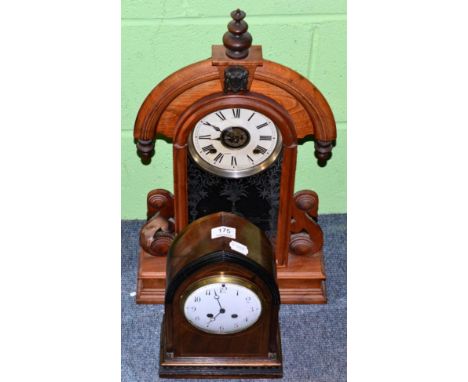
{"type": "Point", "coordinates": [216, 315]}
{"type": "Point", "coordinates": [217, 299]}
{"type": "Point", "coordinates": [214, 318]}
{"type": "Point", "coordinates": [221, 309]}
{"type": "Point", "coordinates": [213, 139]}
{"type": "Point", "coordinates": [213, 126]}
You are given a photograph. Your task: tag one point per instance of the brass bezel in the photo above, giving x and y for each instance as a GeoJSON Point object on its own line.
{"type": "Point", "coordinates": [222, 279]}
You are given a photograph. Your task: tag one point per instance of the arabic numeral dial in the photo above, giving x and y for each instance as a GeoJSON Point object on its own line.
{"type": "Point", "coordinates": [223, 307]}
{"type": "Point", "coordinates": [235, 142]}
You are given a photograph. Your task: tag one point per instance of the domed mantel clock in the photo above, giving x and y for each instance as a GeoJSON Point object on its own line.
{"type": "Point", "coordinates": [235, 120]}
{"type": "Point", "coordinates": [222, 302]}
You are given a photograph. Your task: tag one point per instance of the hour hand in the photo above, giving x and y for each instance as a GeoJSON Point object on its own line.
{"type": "Point", "coordinates": [212, 318]}
{"type": "Point", "coordinates": [206, 123]}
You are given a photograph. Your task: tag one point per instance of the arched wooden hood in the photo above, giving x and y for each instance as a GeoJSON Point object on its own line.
{"type": "Point", "coordinates": [306, 105]}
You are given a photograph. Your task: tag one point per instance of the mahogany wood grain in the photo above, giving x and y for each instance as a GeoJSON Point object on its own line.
{"type": "Point", "coordinates": [307, 94]}
{"type": "Point", "coordinates": [300, 277]}
{"type": "Point", "coordinates": [301, 282]}
{"type": "Point", "coordinates": [147, 121]}
{"type": "Point", "coordinates": [311, 113]}
{"type": "Point", "coordinates": [280, 118]}
{"type": "Point", "coordinates": [219, 57]}
{"type": "Point", "coordinates": [250, 62]}
{"type": "Point", "coordinates": [237, 40]}
{"type": "Point", "coordinates": [307, 235]}
{"type": "Point", "coordinates": [186, 350]}
{"type": "Point", "coordinates": [196, 238]}
{"type": "Point", "coordinates": [157, 234]}
{"type": "Point", "coordinates": [160, 201]}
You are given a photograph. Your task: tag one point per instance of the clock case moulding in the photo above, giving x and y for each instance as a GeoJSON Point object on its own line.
{"type": "Point", "coordinates": [297, 108]}
{"type": "Point", "coordinates": [197, 256]}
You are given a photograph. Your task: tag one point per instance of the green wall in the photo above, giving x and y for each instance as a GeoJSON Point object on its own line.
{"type": "Point", "coordinates": [160, 37]}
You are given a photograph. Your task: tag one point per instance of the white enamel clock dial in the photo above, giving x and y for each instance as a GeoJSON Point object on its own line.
{"type": "Point", "coordinates": [235, 142]}
{"type": "Point", "coordinates": [222, 307]}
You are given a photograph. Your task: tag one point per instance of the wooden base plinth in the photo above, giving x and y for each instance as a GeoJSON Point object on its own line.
{"type": "Point", "coordinates": [301, 282]}
{"type": "Point", "coordinates": [171, 366]}
{"type": "Point", "coordinates": [151, 279]}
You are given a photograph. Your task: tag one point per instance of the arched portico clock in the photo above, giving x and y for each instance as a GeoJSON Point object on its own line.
{"type": "Point", "coordinates": [235, 120]}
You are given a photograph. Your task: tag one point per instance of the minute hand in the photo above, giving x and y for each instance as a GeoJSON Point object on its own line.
{"type": "Point", "coordinates": [217, 300]}
{"type": "Point", "coordinates": [213, 126]}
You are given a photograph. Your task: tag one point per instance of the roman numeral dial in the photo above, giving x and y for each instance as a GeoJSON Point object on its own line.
{"type": "Point", "coordinates": [235, 142]}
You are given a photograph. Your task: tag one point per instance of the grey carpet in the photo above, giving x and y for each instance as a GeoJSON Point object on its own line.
{"type": "Point", "coordinates": [313, 336]}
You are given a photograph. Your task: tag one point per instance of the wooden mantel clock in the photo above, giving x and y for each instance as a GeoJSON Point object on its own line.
{"type": "Point", "coordinates": [235, 120]}
{"type": "Point", "coordinates": [222, 302]}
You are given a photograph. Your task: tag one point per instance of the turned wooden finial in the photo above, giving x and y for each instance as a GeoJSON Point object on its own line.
{"type": "Point", "coordinates": [323, 151]}
{"type": "Point", "coordinates": [237, 40]}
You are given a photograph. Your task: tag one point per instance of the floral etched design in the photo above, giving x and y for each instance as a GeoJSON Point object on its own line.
{"type": "Point", "coordinates": [255, 197]}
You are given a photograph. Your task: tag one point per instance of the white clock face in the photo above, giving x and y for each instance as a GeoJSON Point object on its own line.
{"type": "Point", "coordinates": [235, 142]}
{"type": "Point", "coordinates": [222, 308]}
